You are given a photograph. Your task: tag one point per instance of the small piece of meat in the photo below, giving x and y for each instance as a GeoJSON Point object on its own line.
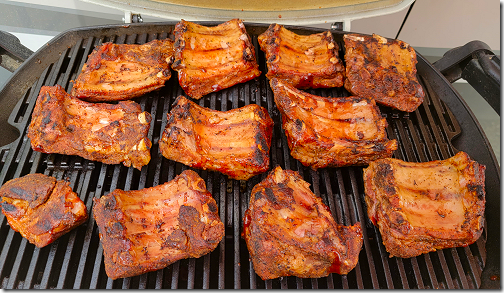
{"type": "Point", "coordinates": [290, 232]}
{"type": "Point", "coordinates": [108, 133]}
{"type": "Point", "coordinates": [384, 70]}
{"type": "Point", "coordinates": [235, 142]}
{"type": "Point", "coordinates": [304, 61]}
{"type": "Point", "coordinates": [331, 132]}
{"type": "Point", "coordinates": [149, 229]}
{"type": "Point", "coordinates": [209, 59]}
{"type": "Point", "coordinates": [115, 72]}
{"type": "Point", "coordinates": [422, 207]}
{"type": "Point", "coordinates": [41, 208]}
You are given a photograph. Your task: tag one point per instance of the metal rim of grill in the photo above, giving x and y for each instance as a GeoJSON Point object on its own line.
{"type": "Point", "coordinates": [76, 259]}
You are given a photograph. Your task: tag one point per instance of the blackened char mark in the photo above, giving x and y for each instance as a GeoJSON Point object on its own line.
{"type": "Point", "coordinates": [478, 189]}
{"type": "Point", "coordinates": [7, 207]}
{"type": "Point", "coordinates": [212, 207]}
{"type": "Point", "coordinates": [177, 239]}
{"type": "Point", "coordinates": [188, 217]}
{"type": "Point", "coordinates": [110, 203]}
{"type": "Point", "coordinates": [384, 178]}
{"type": "Point", "coordinates": [116, 230]}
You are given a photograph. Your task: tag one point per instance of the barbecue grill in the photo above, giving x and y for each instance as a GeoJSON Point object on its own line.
{"type": "Point", "coordinates": [439, 128]}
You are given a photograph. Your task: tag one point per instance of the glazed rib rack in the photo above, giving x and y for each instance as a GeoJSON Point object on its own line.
{"type": "Point", "coordinates": [76, 259]}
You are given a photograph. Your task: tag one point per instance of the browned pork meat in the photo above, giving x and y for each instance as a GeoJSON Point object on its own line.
{"type": "Point", "coordinates": [146, 230]}
{"type": "Point", "coordinates": [209, 59]}
{"type": "Point", "coordinates": [331, 132]}
{"type": "Point", "coordinates": [305, 61]}
{"type": "Point", "coordinates": [290, 232]}
{"type": "Point", "coordinates": [107, 133]}
{"type": "Point", "coordinates": [422, 207]}
{"type": "Point", "coordinates": [41, 208]}
{"type": "Point", "coordinates": [235, 142]}
{"type": "Point", "coordinates": [384, 70]}
{"type": "Point", "coordinates": [115, 72]}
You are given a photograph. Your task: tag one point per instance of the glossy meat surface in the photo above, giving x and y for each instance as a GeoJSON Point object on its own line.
{"type": "Point", "coordinates": [290, 232]}
{"type": "Point", "coordinates": [115, 72]}
{"type": "Point", "coordinates": [146, 230]}
{"type": "Point", "coordinates": [234, 142]}
{"type": "Point", "coordinates": [384, 70]}
{"type": "Point", "coordinates": [41, 208]}
{"type": "Point", "coordinates": [209, 59]}
{"type": "Point", "coordinates": [422, 207]}
{"type": "Point", "coordinates": [305, 61]}
{"type": "Point", "coordinates": [108, 133]}
{"type": "Point", "coordinates": [331, 132]}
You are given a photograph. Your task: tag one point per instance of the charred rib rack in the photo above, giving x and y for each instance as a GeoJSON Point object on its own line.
{"type": "Point", "coordinates": [108, 133]}
{"type": "Point", "coordinates": [305, 61]}
{"type": "Point", "coordinates": [115, 72]}
{"type": "Point", "coordinates": [331, 132]}
{"type": "Point", "coordinates": [234, 142]}
{"type": "Point", "coordinates": [422, 207]}
{"type": "Point", "coordinates": [41, 208]}
{"type": "Point", "coordinates": [290, 232]}
{"type": "Point", "coordinates": [384, 70]}
{"type": "Point", "coordinates": [209, 59]}
{"type": "Point", "coordinates": [146, 230]}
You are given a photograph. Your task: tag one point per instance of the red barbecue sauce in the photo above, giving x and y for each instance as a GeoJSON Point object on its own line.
{"type": "Point", "coordinates": [246, 222]}
{"type": "Point", "coordinates": [336, 265]}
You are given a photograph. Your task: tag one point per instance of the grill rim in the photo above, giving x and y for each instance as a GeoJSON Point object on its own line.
{"type": "Point", "coordinates": [60, 45]}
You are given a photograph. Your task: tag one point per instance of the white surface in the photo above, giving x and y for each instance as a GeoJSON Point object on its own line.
{"type": "Point", "coordinates": [32, 42]}
{"type": "Point", "coordinates": [452, 23]}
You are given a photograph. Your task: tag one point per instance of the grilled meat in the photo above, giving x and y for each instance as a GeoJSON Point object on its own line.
{"type": "Point", "coordinates": [304, 61]}
{"type": "Point", "coordinates": [290, 232]}
{"type": "Point", "coordinates": [106, 133]}
{"type": "Point", "coordinates": [41, 208]}
{"type": "Point", "coordinates": [209, 59]}
{"type": "Point", "coordinates": [331, 132]}
{"type": "Point", "coordinates": [422, 207]}
{"type": "Point", "coordinates": [384, 70]}
{"type": "Point", "coordinates": [235, 142]}
{"type": "Point", "coordinates": [146, 230]}
{"type": "Point", "coordinates": [115, 72]}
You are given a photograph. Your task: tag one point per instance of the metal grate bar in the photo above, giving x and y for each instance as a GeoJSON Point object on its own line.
{"type": "Point", "coordinates": [222, 244]}
{"type": "Point", "coordinates": [175, 275]}
{"type": "Point", "coordinates": [70, 245]}
{"type": "Point", "coordinates": [364, 223]}
{"type": "Point", "coordinates": [89, 231]}
{"type": "Point", "coordinates": [460, 270]}
{"type": "Point", "coordinates": [17, 263]}
{"type": "Point", "coordinates": [431, 272]}
{"type": "Point", "coordinates": [191, 273]}
{"type": "Point", "coordinates": [236, 234]}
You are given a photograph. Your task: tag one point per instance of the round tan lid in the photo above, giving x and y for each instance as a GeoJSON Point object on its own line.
{"type": "Point", "coordinates": [295, 12]}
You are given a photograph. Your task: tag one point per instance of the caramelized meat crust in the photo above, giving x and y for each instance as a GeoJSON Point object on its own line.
{"type": "Point", "coordinates": [331, 132]}
{"type": "Point", "coordinates": [115, 72]}
{"type": "Point", "coordinates": [422, 207]}
{"type": "Point", "coordinates": [303, 61]}
{"type": "Point", "coordinates": [290, 232]}
{"type": "Point", "coordinates": [146, 230]}
{"type": "Point", "coordinates": [209, 59]}
{"type": "Point", "coordinates": [108, 133]}
{"type": "Point", "coordinates": [41, 208]}
{"type": "Point", "coordinates": [235, 142]}
{"type": "Point", "coordinates": [384, 70]}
